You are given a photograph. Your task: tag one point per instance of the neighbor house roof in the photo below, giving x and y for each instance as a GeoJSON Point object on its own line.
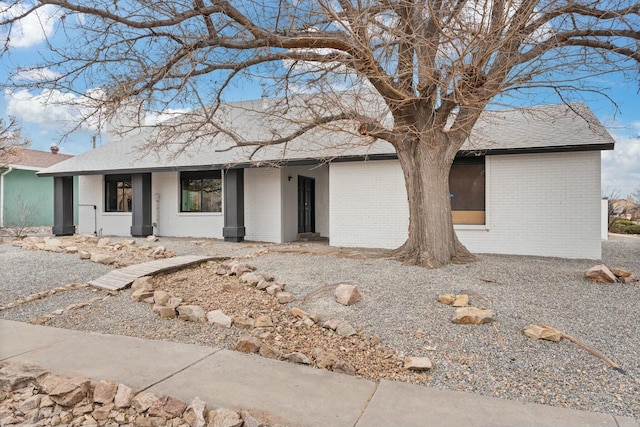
{"type": "Point", "coordinates": [28, 159]}
{"type": "Point", "coordinates": [552, 128]}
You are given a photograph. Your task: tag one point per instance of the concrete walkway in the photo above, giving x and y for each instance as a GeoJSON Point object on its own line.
{"type": "Point", "coordinates": [291, 394]}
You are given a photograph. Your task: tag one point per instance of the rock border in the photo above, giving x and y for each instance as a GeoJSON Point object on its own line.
{"type": "Point", "coordinates": [31, 395]}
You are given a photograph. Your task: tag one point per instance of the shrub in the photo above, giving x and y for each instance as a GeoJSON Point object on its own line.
{"type": "Point", "coordinates": [624, 226]}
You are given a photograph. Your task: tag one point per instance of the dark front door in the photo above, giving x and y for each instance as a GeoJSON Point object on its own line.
{"type": "Point", "coordinates": [306, 205]}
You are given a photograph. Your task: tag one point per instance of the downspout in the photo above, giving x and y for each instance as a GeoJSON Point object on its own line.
{"type": "Point", "coordinates": [8, 171]}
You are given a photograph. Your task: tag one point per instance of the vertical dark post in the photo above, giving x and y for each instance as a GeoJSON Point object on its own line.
{"type": "Point", "coordinates": [63, 206]}
{"type": "Point", "coordinates": [141, 205]}
{"type": "Point", "coordinates": [233, 230]}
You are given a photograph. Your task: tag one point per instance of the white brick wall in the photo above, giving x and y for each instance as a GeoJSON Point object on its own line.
{"type": "Point", "coordinates": [368, 204]}
{"type": "Point", "coordinates": [542, 204]}
{"type": "Point", "coordinates": [91, 192]}
{"type": "Point", "coordinates": [537, 204]}
{"type": "Point", "coordinates": [263, 204]}
{"type": "Point", "coordinates": [165, 190]}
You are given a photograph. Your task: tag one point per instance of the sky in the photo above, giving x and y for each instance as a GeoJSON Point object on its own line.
{"type": "Point", "coordinates": [44, 123]}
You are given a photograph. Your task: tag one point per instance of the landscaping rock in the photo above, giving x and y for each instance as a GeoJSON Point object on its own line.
{"type": "Point", "coordinates": [174, 302]}
{"type": "Point", "coordinates": [251, 421]}
{"type": "Point", "coordinates": [224, 418]}
{"type": "Point", "coordinates": [284, 297]}
{"type": "Point", "coordinates": [105, 392]}
{"type": "Point", "coordinates": [472, 316]}
{"type": "Point", "coordinates": [103, 242]}
{"type": "Point", "coordinates": [103, 258]}
{"type": "Point", "coordinates": [619, 272]}
{"type": "Point", "coordinates": [275, 288]}
{"type": "Point", "coordinates": [158, 252]}
{"type": "Point", "coordinates": [600, 273]}
{"type": "Point", "coordinates": [239, 269]}
{"type": "Point", "coordinates": [461, 301]}
{"type": "Point", "coordinates": [446, 299]}
{"type": "Point", "coordinates": [167, 407]}
{"type": "Point", "coordinates": [629, 279]}
{"type": "Point", "coordinates": [124, 396]}
{"type": "Point", "coordinates": [541, 332]}
{"type": "Point", "coordinates": [346, 294]}
{"type": "Point", "coordinates": [143, 401]}
{"type": "Point", "coordinates": [192, 313]}
{"type": "Point", "coordinates": [244, 322]}
{"type": "Point", "coordinates": [161, 297]}
{"type": "Point", "coordinates": [343, 367]}
{"type": "Point", "coordinates": [270, 352]}
{"type": "Point", "coordinates": [164, 312]}
{"type": "Point", "coordinates": [141, 294]}
{"type": "Point", "coordinates": [17, 375]}
{"type": "Point", "coordinates": [142, 282]}
{"type": "Point", "coordinates": [84, 255]}
{"type": "Point", "coordinates": [248, 344]}
{"type": "Point", "coordinates": [417, 363]}
{"type": "Point", "coordinates": [324, 359]}
{"type": "Point", "coordinates": [219, 318]}
{"type": "Point", "coordinates": [194, 415]}
{"type": "Point", "coordinates": [252, 278]}
{"type": "Point", "coordinates": [298, 357]}
{"type": "Point", "coordinates": [345, 329]}
{"type": "Point", "coordinates": [332, 324]}
{"type": "Point", "coordinates": [66, 391]}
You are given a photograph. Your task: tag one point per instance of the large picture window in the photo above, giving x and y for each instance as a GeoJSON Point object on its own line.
{"type": "Point", "coordinates": [201, 191]}
{"type": "Point", "coordinates": [118, 193]}
{"type": "Point", "coordinates": [467, 188]}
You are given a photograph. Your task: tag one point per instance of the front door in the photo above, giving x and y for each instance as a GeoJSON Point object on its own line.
{"type": "Point", "coordinates": [306, 205]}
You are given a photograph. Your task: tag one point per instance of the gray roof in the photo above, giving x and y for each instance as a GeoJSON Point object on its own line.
{"type": "Point", "coordinates": [551, 128]}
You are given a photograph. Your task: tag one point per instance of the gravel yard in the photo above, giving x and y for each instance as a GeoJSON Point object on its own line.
{"type": "Point", "coordinates": [400, 305]}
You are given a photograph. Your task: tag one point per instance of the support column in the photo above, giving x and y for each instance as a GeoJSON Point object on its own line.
{"type": "Point", "coordinates": [233, 230]}
{"type": "Point", "coordinates": [63, 206]}
{"type": "Point", "coordinates": [141, 205]}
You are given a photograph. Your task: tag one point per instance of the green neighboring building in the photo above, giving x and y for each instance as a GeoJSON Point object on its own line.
{"type": "Point", "coordinates": [26, 199]}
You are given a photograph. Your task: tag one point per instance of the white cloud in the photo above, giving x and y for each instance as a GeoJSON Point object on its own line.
{"type": "Point", "coordinates": [621, 167]}
{"type": "Point", "coordinates": [30, 30]}
{"type": "Point", "coordinates": [35, 74]}
{"type": "Point", "coordinates": [51, 109]}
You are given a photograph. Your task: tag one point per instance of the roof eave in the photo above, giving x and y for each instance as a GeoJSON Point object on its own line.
{"type": "Point", "coordinates": [337, 159]}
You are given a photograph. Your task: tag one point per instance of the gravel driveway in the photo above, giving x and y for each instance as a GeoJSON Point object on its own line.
{"type": "Point", "coordinates": [400, 306]}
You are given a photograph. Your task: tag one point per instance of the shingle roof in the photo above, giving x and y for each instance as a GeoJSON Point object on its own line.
{"type": "Point", "coordinates": [539, 129]}
{"type": "Point", "coordinates": [27, 158]}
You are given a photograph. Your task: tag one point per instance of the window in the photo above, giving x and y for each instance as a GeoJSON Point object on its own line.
{"type": "Point", "coordinates": [201, 191]}
{"type": "Point", "coordinates": [118, 193]}
{"type": "Point", "coordinates": [467, 188]}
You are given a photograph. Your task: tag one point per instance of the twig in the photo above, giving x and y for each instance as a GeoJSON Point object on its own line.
{"type": "Point", "coordinates": [587, 347]}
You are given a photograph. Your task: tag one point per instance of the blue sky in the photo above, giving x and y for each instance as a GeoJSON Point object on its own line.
{"type": "Point", "coordinates": [45, 123]}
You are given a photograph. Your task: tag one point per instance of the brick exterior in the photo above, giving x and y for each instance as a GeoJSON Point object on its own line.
{"type": "Point", "coordinates": [263, 204]}
{"type": "Point", "coordinates": [537, 204]}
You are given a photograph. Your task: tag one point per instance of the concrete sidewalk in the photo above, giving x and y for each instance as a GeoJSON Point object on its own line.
{"type": "Point", "coordinates": [292, 394]}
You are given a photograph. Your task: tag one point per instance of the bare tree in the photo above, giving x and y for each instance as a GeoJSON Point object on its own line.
{"type": "Point", "coordinates": [434, 65]}
{"type": "Point", "coordinates": [10, 140]}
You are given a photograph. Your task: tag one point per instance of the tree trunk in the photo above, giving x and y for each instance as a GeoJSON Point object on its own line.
{"type": "Point", "coordinates": [432, 241]}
